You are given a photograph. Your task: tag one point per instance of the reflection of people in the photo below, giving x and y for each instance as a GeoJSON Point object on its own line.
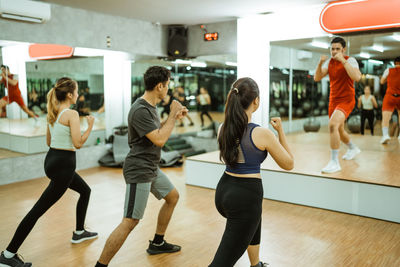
{"type": "Point", "coordinates": [14, 94]}
{"type": "Point", "coordinates": [181, 96]}
{"type": "Point", "coordinates": [343, 71]}
{"type": "Point", "coordinates": [368, 103]}
{"type": "Point", "coordinates": [243, 147]}
{"type": "Point", "coordinates": [166, 103]}
{"type": "Point", "coordinates": [34, 100]}
{"type": "Point", "coordinates": [391, 101]}
{"type": "Point", "coordinates": [101, 109]}
{"type": "Point", "coordinates": [81, 106]}
{"type": "Point", "coordinates": [146, 136]}
{"type": "Point", "coordinates": [63, 136]}
{"type": "Point", "coordinates": [204, 101]}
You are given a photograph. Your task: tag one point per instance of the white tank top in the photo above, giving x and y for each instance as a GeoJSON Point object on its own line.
{"type": "Point", "coordinates": [203, 100]}
{"type": "Point", "coordinates": [367, 102]}
{"type": "Point", "coordinates": [61, 135]}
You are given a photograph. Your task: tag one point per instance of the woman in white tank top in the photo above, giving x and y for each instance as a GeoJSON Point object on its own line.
{"type": "Point", "coordinates": [63, 137]}
{"type": "Point", "coordinates": [368, 102]}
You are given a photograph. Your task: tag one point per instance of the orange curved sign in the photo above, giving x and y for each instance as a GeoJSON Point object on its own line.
{"type": "Point", "coordinates": [50, 51]}
{"type": "Point", "coordinates": [360, 15]}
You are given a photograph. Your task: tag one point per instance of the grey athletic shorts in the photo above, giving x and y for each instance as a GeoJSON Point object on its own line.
{"type": "Point", "coordinates": [137, 194]}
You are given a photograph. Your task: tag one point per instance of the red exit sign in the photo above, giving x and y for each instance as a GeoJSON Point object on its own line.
{"type": "Point", "coordinates": [211, 36]}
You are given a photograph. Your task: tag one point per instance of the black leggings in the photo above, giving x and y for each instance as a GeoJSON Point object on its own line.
{"type": "Point", "coordinates": [239, 200]}
{"type": "Point", "coordinates": [59, 166]}
{"type": "Point", "coordinates": [369, 115]}
{"type": "Point", "coordinates": [204, 111]}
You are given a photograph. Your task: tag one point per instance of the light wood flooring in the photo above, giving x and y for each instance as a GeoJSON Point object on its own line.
{"type": "Point", "coordinates": [292, 235]}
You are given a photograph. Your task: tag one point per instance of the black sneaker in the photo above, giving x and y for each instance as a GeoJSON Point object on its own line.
{"type": "Point", "coordinates": [86, 235]}
{"type": "Point", "coordinates": [191, 124]}
{"type": "Point", "coordinates": [15, 261]}
{"type": "Point", "coordinates": [261, 264]}
{"type": "Point", "coordinates": [164, 247]}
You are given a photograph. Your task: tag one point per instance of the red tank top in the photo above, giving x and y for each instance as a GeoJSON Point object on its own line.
{"type": "Point", "coordinates": [13, 90]}
{"type": "Point", "coordinates": [342, 86]}
{"type": "Point", "coordinates": [393, 81]}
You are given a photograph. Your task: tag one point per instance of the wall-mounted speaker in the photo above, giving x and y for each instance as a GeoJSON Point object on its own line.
{"type": "Point", "coordinates": [177, 41]}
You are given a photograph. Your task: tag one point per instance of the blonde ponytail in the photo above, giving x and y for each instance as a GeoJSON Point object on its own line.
{"type": "Point", "coordinates": [52, 107]}
{"type": "Point", "coordinates": [57, 95]}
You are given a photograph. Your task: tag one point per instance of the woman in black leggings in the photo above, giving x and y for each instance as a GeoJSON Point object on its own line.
{"type": "Point", "coordinates": [243, 147]}
{"type": "Point", "coordinates": [63, 136]}
{"type": "Point", "coordinates": [368, 102]}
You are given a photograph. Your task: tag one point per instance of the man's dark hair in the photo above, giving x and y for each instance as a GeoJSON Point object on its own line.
{"type": "Point", "coordinates": [155, 75]}
{"type": "Point", "coordinates": [339, 40]}
{"type": "Point", "coordinates": [397, 59]}
{"type": "Point", "coordinates": [5, 66]}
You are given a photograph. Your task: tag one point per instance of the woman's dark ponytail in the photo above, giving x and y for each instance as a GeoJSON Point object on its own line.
{"type": "Point", "coordinates": [241, 95]}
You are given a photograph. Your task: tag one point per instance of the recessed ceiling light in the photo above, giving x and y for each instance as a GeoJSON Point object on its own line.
{"type": "Point", "coordinates": [365, 55]}
{"type": "Point", "coordinates": [320, 44]}
{"type": "Point", "coordinates": [376, 61]}
{"type": "Point", "coordinates": [378, 47]}
{"type": "Point", "coordinates": [229, 63]}
{"type": "Point", "coordinates": [396, 36]}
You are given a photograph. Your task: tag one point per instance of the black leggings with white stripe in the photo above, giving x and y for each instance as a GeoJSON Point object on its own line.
{"type": "Point", "coordinates": [59, 166]}
{"type": "Point", "coordinates": [239, 200]}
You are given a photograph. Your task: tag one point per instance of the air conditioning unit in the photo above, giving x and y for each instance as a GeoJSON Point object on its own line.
{"type": "Point", "coordinates": [25, 10]}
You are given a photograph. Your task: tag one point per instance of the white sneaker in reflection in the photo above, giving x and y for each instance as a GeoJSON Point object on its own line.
{"type": "Point", "coordinates": [332, 167]}
{"type": "Point", "coordinates": [351, 153]}
{"type": "Point", "coordinates": [385, 139]}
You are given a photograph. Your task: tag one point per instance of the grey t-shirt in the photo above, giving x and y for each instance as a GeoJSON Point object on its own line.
{"type": "Point", "coordinates": [142, 161]}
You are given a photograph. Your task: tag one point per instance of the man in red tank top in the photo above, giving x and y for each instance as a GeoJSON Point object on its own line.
{"type": "Point", "coordinates": [14, 94]}
{"type": "Point", "coordinates": [343, 71]}
{"type": "Point", "coordinates": [391, 100]}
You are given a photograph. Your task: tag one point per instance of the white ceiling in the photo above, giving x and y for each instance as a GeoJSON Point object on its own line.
{"type": "Point", "coordinates": [189, 12]}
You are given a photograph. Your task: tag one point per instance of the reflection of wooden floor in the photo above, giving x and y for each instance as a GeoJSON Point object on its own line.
{"type": "Point", "coordinates": [30, 128]}
{"type": "Point", "coordinates": [377, 164]}
{"type": "Point", "coordinates": [292, 235]}
{"type": "Point", "coordinates": [5, 153]}
{"type": "Point", "coordinates": [195, 116]}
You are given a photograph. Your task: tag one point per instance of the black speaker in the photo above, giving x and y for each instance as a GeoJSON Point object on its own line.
{"type": "Point", "coordinates": [177, 41]}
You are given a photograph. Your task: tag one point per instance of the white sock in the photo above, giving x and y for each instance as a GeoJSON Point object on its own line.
{"type": "Point", "coordinates": [79, 232]}
{"type": "Point", "coordinates": [385, 131]}
{"type": "Point", "coordinates": [335, 155]}
{"type": "Point", "coordinates": [351, 145]}
{"type": "Point", "coordinates": [8, 254]}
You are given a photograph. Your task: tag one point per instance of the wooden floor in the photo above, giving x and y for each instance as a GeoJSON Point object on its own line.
{"type": "Point", "coordinates": [377, 163]}
{"type": "Point", "coordinates": [29, 128]}
{"type": "Point", "coordinates": [292, 235]}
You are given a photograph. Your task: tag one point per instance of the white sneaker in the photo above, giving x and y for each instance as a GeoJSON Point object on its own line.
{"type": "Point", "coordinates": [332, 167]}
{"type": "Point", "coordinates": [385, 139]}
{"type": "Point", "coordinates": [351, 153]}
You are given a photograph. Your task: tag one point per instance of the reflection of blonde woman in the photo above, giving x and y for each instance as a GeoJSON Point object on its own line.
{"type": "Point", "coordinates": [63, 136]}
{"type": "Point", "coordinates": [204, 101]}
{"type": "Point", "coordinates": [368, 103]}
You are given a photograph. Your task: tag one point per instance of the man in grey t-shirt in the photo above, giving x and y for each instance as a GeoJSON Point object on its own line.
{"type": "Point", "coordinates": [146, 136]}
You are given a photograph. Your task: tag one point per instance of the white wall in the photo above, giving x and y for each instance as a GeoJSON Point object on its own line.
{"type": "Point", "coordinates": [117, 89]}
{"type": "Point", "coordinates": [279, 58]}
{"type": "Point", "coordinates": [254, 44]}
{"type": "Point", "coordinates": [226, 43]}
{"type": "Point", "coordinates": [83, 28]}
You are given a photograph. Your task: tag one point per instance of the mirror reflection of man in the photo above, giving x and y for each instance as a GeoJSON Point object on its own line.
{"type": "Point", "coordinates": [343, 71]}
{"type": "Point", "coordinates": [391, 101]}
{"type": "Point", "coordinates": [10, 81]}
